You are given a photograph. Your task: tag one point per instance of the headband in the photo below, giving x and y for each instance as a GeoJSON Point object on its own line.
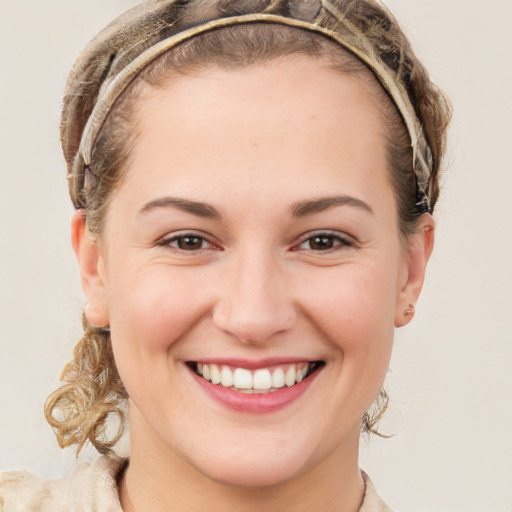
{"type": "Point", "coordinates": [113, 88]}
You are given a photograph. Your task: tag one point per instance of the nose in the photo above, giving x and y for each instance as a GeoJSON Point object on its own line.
{"type": "Point", "coordinates": [255, 301]}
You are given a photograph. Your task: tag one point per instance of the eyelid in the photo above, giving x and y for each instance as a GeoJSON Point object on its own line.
{"type": "Point", "coordinates": [166, 240]}
{"type": "Point", "coordinates": [344, 239]}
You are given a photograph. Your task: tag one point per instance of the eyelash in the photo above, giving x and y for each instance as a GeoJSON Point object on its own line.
{"type": "Point", "coordinates": [183, 236]}
{"type": "Point", "coordinates": [337, 240]}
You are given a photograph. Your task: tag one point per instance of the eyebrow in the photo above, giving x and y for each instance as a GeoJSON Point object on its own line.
{"type": "Point", "coordinates": [185, 205]}
{"type": "Point", "coordinates": [299, 209]}
{"type": "Point", "coordinates": [304, 208]}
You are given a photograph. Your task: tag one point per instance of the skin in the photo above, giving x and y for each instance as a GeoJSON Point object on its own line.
{"type": "Point", "coordinates": [256, 287]}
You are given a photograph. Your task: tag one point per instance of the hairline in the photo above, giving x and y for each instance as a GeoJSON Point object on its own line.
{"type": "Point", "coordinates": [331, 53]}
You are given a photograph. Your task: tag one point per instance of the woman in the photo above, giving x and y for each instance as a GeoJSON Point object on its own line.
{"type": "Point", "coordinates": [254, 183]}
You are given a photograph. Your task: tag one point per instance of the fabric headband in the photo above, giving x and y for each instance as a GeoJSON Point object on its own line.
{"type": "Point", "coordinates": [113, 88]}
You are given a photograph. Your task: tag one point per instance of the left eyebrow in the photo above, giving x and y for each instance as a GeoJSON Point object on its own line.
{"type": "Point", "coordinates": [304, 208]}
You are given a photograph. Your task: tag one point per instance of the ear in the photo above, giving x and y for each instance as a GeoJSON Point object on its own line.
{"type": "Point", "coordinates": [92, 272]}
{"type": "Point", "coordinates": [419, 249]}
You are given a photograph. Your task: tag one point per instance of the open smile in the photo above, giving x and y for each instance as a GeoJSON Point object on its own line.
{"type": "Point", "coordinates": [252, 381]}
{"type": "Point", "coordinates": [255, 390]}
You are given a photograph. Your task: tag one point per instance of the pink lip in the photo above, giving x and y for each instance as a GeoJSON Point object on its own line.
{"type": "Point", "coordinates": [254, 403]}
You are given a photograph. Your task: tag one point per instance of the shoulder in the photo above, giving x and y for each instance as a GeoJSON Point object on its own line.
{"type": "Point", "coordinates": [90, 487]}
{"type": "Point", "coordinates": [372, 502]}
{"type": "Point", "coordinates": [23, 491]}
{"type": "Point", "coordinates": [94, 487]}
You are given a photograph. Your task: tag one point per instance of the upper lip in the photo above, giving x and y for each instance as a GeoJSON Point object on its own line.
{"type": "Point", "coordinates": [250, 364]}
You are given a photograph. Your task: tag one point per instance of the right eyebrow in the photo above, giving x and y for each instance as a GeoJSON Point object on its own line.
{"type": "Point", "coordinates": [186, 205]}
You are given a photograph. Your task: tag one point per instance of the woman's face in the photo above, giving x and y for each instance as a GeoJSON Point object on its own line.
{"type": "Point", "coordinates": [254, 237]}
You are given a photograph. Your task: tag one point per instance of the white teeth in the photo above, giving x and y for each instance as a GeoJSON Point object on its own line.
{"type": "Point", "coordinates": [262, 379]}
{"type": "Point", "coordinates": [226, 377]}
{"type": "Point", "coordinates": [215, 374]}
{"type": "Point", "coordinates": [247, 381]}
{"type": "Point", "coordinates": [291, 374]}
{"type": "Point", "coordinates": [255, 391]}
{"type": "Point", "coordinates": [242, 378]}
{"type": "Point", "coordinates": [278, 378]}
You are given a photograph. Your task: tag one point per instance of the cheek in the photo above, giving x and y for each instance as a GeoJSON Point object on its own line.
{"type": "Point", "coordinates": [350, 306]}
{"type": "Point", "coordinates": [149, 312]}
{"type": "Point", "coordinates": [354, 306]}
{"type": "Point", "coordinates": [157, 304]}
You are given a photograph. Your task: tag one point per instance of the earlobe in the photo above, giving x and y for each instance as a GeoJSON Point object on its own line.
{"type": "Point", "coordinates": [90, 262]}
{"type": "Point", "coordinates": [419, 250]}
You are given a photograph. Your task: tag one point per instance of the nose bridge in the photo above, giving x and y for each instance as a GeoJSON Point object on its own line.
{"type": "Point", "coordinates": [255, 302]}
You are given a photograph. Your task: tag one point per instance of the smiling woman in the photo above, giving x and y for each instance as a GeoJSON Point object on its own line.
{"type": "Point", "coordinates": [254, 183]}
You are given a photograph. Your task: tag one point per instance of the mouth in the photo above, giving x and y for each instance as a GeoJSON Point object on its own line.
{"type": "Point", "coordinates": [261, 380]}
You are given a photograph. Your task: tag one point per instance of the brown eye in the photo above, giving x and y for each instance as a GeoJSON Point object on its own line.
{"type": "Point", "coordinates": [321, 243]}
{"type": "Point", "coordinates": [325, 242]}
{"type": "Point", "coordinates": [188, 242]}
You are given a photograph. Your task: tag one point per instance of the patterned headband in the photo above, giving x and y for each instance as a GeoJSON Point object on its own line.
{"type": "Point", "coordinates": [358, 45]}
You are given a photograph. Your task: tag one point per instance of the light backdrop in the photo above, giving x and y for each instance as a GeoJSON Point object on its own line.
{"type": "Point", "coordinates": [451, 375]}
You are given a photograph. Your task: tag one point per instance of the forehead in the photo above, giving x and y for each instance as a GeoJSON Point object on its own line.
{"type": "Point", "coordinates": [293, 122]}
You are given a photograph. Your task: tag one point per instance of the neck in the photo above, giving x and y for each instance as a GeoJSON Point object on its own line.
{"type": "Point", "coordinates": [158, 479]}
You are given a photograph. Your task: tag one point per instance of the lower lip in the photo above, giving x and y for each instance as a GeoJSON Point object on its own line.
{"type": "Point", "coordinates": [257, 403]}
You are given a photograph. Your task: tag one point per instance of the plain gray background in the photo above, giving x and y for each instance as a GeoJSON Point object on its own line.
{"type": "Point", "coordinates": [451, 374]}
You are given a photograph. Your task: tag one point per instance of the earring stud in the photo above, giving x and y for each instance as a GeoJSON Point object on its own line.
{"type": "Point", "coordinates": [410, 310]}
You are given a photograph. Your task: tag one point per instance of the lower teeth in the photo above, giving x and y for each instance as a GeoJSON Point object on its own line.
{"type": "Point", "coordinates": [255, 391]}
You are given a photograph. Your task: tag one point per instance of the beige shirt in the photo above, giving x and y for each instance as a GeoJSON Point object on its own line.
{"type": "Point", "coordinates": [93, 488]}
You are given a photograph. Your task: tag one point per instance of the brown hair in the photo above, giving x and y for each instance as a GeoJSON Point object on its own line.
{"type": "Point", "coordinates": [79, 410]}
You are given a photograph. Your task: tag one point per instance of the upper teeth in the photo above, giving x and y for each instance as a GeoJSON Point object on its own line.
{"type": "Point", "coordinates": [261, 379]}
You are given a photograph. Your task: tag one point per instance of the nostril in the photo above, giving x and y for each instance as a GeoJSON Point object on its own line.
{"type": "Point", "coordinates": [252, 325]}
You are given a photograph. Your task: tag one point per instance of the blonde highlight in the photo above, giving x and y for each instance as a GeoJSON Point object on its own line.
{"type": "Point", "coordinates": [81, 410]}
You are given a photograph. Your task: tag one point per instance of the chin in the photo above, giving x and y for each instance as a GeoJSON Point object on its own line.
{"type": "Point", "coordinates": [247, 458]}
{"type": "Point", "coordinates": [252, 472]}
